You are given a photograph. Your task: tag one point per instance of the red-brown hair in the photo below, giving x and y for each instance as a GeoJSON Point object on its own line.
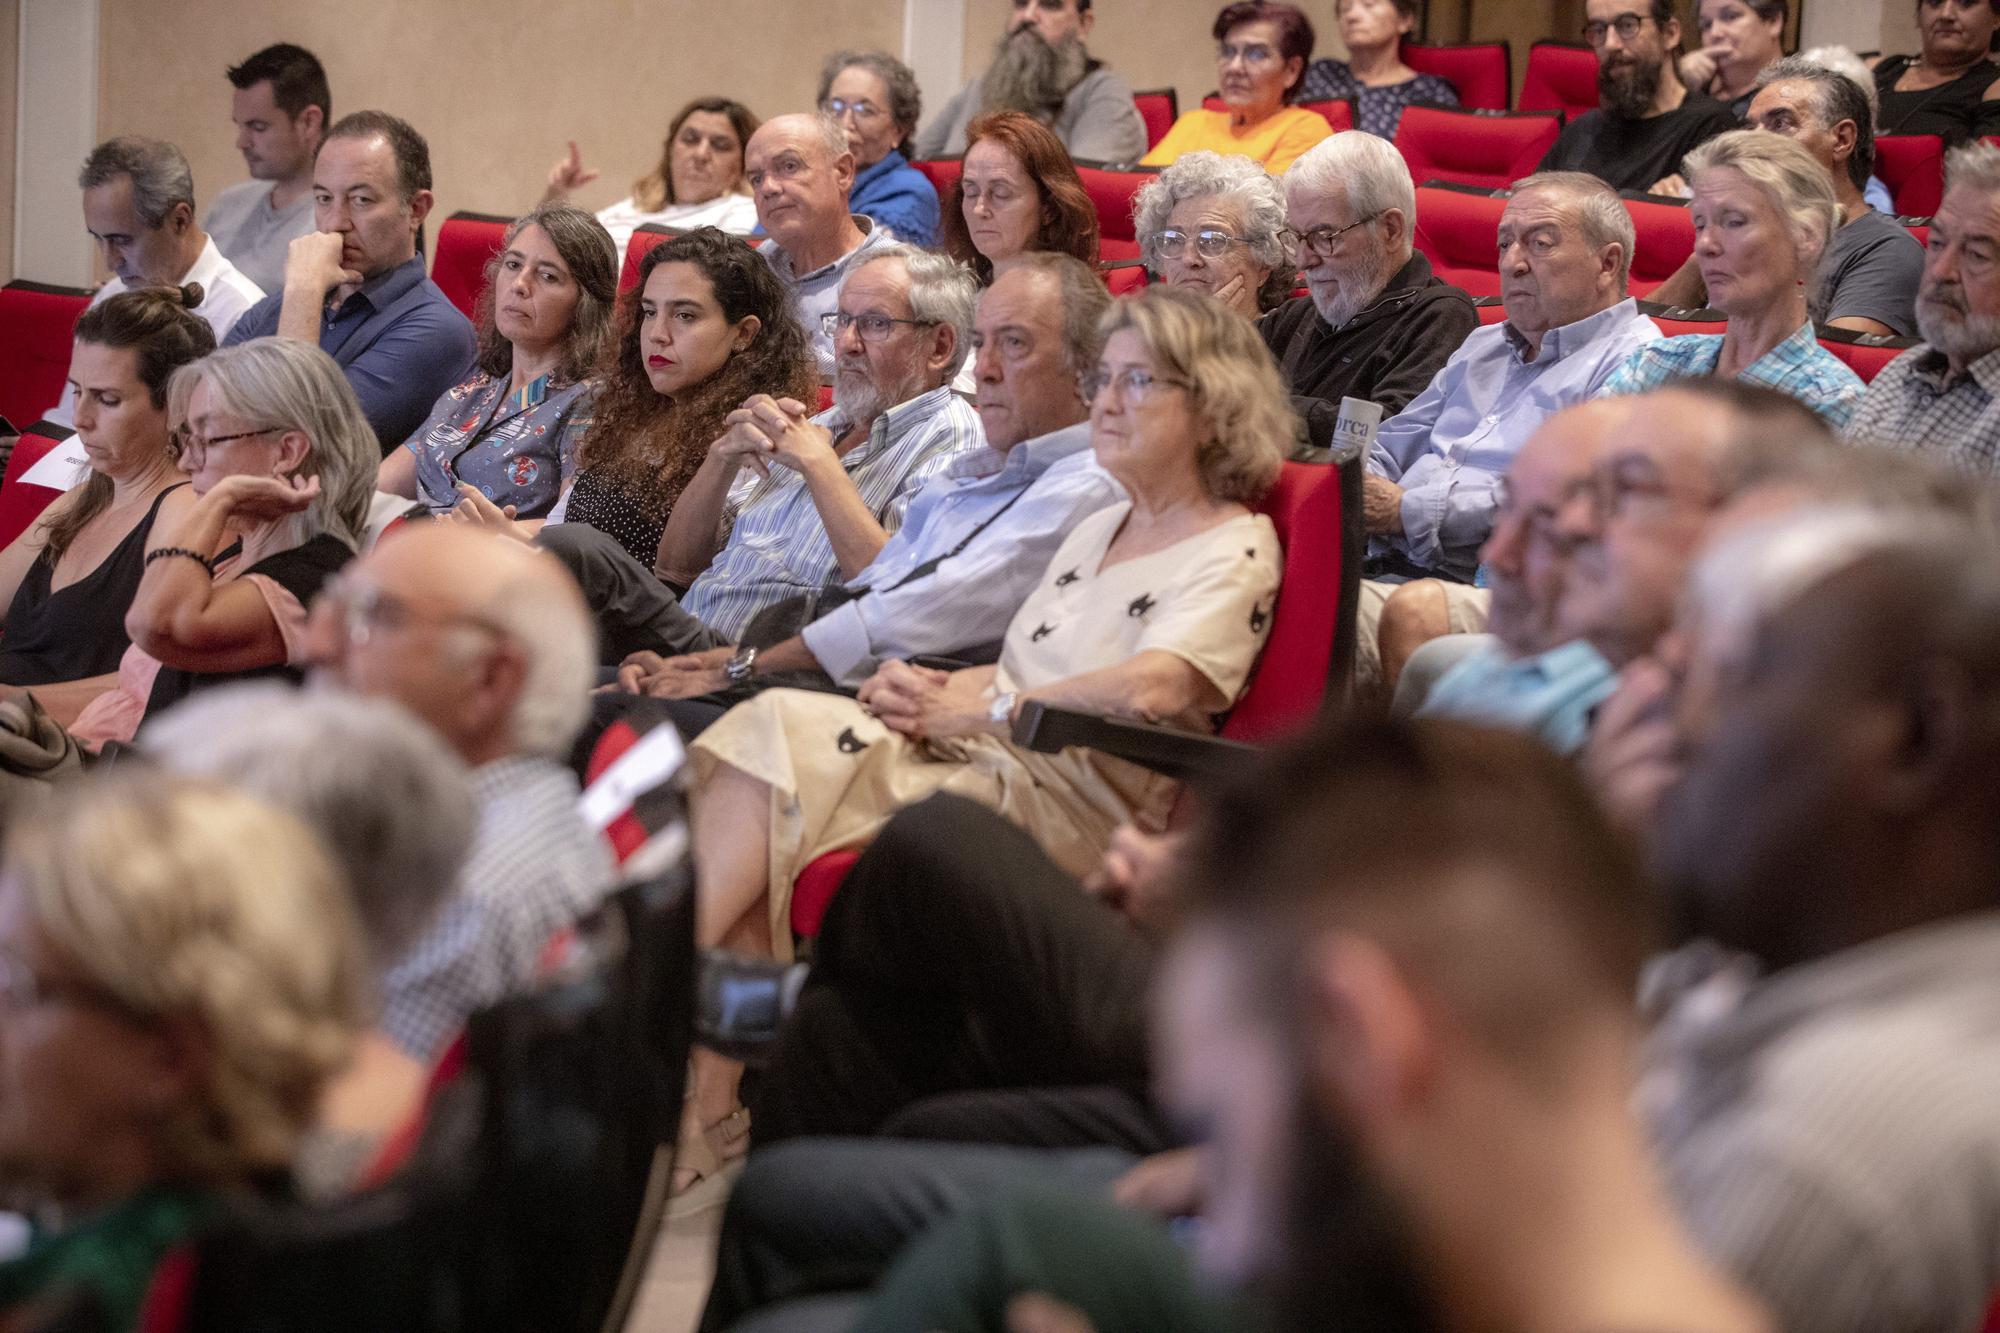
{"type": "Point", "coordinates": [1069, 219]}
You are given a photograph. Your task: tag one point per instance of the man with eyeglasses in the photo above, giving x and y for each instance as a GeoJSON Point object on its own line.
{"type": "Point", "coordinates": [1042, 68]}
{"type": "Point", "coordinates": [1646, 119]}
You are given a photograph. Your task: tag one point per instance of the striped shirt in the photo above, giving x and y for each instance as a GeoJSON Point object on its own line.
{"type": "Point", "coordinates": [1830, 1131]}
{"type": "Point", "coordinates": [778, 546]}
{"type": "Point", "coordinates": [1798, 366]}
{"type": "Point", "coordinates": [1916, 403]}
{"type": "Point", "coordinates": [535, 868]}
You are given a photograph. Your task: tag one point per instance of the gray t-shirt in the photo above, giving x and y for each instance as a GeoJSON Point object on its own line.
{"type": "Point", "coordinates": [254, 237]}
{"type": "Point", "coordinates": [1872, 270]}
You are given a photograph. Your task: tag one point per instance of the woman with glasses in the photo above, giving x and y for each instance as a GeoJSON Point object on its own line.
{"type": "Point", "coordinates": [1017, 191]}
{"type": "Point", "coordinates": [1261, 56]}
{"type": "Point", "coordinates": [180, 975]}
{"type": "Point", "coordinates": [699, 182]}
{"type": "Point", "coordinates": [67, 581]}
{"type": "Point", "coordinates": [1217, 224]}
{"type": "Point", "coordinates": [875, 98]}
{"type": "Point", "coordinates": [1374, 76]}
{"type": "Point", "coordinates": [283, 464]}
{"type": "Point", "coordinates": [1153, 609]}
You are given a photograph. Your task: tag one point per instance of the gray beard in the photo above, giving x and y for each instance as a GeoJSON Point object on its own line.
{"type": "Point", "coordinates": [1359, 287]}
{"type": "Point", "coordinates": [860, 400]}
{"type": "Point", "coordinates": [1628, 93]}
{"type": "Point", "coordinates": [1027, 74]}
{"type": "Point", "coordinates": [1959, 334]}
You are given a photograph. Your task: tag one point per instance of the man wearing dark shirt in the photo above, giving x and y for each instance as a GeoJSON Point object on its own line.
{"type": "Point", "coordinates": [1646, 119]}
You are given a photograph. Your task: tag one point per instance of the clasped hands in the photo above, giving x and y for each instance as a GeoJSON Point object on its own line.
{"type": "Point", "coordinates": [768, 430]}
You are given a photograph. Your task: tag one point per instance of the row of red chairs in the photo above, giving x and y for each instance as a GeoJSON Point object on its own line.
{"type": "Point", "coordinates": [1456, 225]}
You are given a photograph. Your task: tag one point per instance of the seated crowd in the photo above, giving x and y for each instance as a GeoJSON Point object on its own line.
{"type": "Point", "coordinates": [1676, 654]}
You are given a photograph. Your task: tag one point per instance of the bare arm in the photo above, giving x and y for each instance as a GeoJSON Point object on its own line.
{"type": "Point", "coordinates": [1149, 686]}
{"type": "Point", "coordinates": [398, 474]}
{"type": "Point", "coordinates": [693, 529]}
{"type": "Point", "coordinates": [1861, 324]}
{"type": "Point", "coordinates": [312, 269]}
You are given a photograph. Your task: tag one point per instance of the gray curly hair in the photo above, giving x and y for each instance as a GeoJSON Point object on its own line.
{"type": "Point", "coordinates": [1206, 175]}
{"type": "Point", "coordinates": [906, 99]}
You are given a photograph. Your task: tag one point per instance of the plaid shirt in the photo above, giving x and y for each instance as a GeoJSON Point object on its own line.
{"type": "Point", "coordinates": [535, 868]}
{"type": "Point", "coordinates": [1916, 403]}
{"type": "Point", "coordinates": [778, 547]}
{"type": "Point", "coordinates": [1798, 366]}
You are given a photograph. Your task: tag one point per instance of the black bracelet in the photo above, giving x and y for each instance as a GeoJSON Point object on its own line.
{"type": "Point", "coordinates": [196, 556]}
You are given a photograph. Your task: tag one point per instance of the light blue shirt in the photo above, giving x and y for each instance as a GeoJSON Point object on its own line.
{"type": "Point", "coordinates": [1044, 486]}
{"type": "Point", "coordinates": [1551, 695]}
{"type": "Point", "coordinates": [1450, 446]}
{"type": "Point", "coordinates": [1878, 197]}
{"type": "Point", "coordinates": [1798, 366]}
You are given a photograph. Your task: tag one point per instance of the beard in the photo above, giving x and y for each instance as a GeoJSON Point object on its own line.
{"type": "Point", "coordinates": [1027, 74]}
{"type": "Point", "coordinates": [1627, 89]}
{"type": "Point", "coordinates": [1948, 324]}
{"type": "Point", "coordinates": [1360, 280]}
{"type": "Point", "coordinates": [859, 398]}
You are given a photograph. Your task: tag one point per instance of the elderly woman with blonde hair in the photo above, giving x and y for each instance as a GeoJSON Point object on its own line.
{"type": "Point", "coordinates": [1152, 609]}
{"type": "Point", "coordinates": [1217, 224]}
{"type": "Point", "coordinates": [179, 975]}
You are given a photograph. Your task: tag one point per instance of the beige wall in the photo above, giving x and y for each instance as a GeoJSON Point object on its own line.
{"type": "Point", "coordinates": [10, 37]}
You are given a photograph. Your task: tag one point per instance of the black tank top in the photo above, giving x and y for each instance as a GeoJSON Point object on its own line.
{"type": "Point", "coordinates": [79, 631]}
{"type": "Point", "coordinates": [1955, 111]}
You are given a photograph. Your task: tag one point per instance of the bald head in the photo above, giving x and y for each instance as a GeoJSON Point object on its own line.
{"type": "Point", "coordinates": [485, 638]}
{"type": "Point", "coordinates": [800, 172]}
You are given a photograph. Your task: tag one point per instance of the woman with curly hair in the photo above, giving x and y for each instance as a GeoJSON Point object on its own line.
{"type": "Point", "coordinates": [1018, 192]}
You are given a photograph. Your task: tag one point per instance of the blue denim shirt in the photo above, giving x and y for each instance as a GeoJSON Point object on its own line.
{"type": "Point", "coordinates": [1551, 696]}
{"type": "Point", "coordinates": [899, 197]}
{"type": "Point", "coordinates": [400, 340]}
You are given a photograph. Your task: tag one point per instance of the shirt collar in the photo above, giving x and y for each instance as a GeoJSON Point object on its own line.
{"type": "Point", "coordinates": [385, 288]}
{"type": "Point", "coordinates": [891, 426]}
{"type": "Point", "coordinates": [1931, 366]}
{"type": "Point", "coordinates": [209, 266]}
{"type": "Point", "coordinates": [1029, 458]}
{"type": "Point", "coordinates": [1560, 342]}
{"type": "Point", "coordinates": [870, 236]}
{"type": "Point", "coordinates": [531, 393]}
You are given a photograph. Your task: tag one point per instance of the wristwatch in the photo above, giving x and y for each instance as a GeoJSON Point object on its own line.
{"type": "Point", "coordinates": [1001, 711]}
{"type": "Point", "coordinates": [739, 666]}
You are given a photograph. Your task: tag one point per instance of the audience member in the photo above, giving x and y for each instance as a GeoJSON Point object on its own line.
{"type": "Point", "coordinates": [487, 642]}
{"type": "Point", "coordinates": [281, 106]}
{"type": "Point", "coordinates": [1645, 120]}
{"type": "Point", "coordinates": [1260, 64]}
{"type": "Point", "coordinates": [279, 508]}
{"type": "Point", "coordinates": [1374, 77]}
{"type": "Point", "coordinates": [510, 431]}
{"type": "Point", "coordinates": [1152, 609]}
{"type": "Point", "coordinates": [1868, 281]}
{"type": "Point", "coordinates": [1739, 40]}
{"type": "Point", "coordinates": [875, 98]}
{"type": "Point", "coordinates": [138, 202]}
{"type": "Point", "coordinates": [355, 287]}
{"type": "Point", "coordinates": [1938, 398]}
{"type": "Point", "coordinates": [698, 183]}
{"type": "Point", "coordinates": [1841, 60]}
{"type": "Point", "coordinates": [1041, 69]}
{"type": "Point", "coordinates": [1951, 87]}
{"type": "Point", "coordinates": [783, 502]}
{"type": "Point", "coordinates": [1434, 470]}
{"type": "Point", "coordinates": [1764, 215]}
{"type": "Point", "coordinates": [800, 173]}
{"type": "Point", "coordinates": [975, 541]}
{"type": "Point", "coordinates": [181, 974]}
{"type": "Point", "coordinates": [1819, 1080]}
{"type": "Point", "coordinates": [1378, 323]}
{"type": "Point", "coordinates": [1217, 225]}
{"type": "Point", "coordinates": [69, 579]}
{"type": "Point", "coordinates": [1018, 193]}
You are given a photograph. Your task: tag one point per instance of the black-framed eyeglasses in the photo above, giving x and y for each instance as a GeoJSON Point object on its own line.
{"type": "Point", "coordinates": [1625, 25]}
{"type": "Point", "coordinates": [189, 438]}
{"type": "Point", "coordinates": [1209, 242]}
{"type": "Point", "coordinates": [1321, 241]}
{"type": "Point", "coordinates": [1627, 487]}
{"type": "Point", "coordinates": [1134, 385]}
{"type": "Point", "coordinates": [872, 328]}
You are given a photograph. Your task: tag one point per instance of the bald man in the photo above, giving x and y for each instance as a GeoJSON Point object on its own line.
{"type": "Point", "coordinates": [488, 642]}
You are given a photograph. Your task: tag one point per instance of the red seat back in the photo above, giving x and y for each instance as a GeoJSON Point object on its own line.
{"type": "Point", "coordinates": [942, 172]}
{"type": "Point", "coordinates": [1561, 77]}
{"type": "Point", "coordinates": [1489, 309]}
{"type": "Point", "coordinates": [1124, 277]}
{"type": "Point", "coordinates": [1455, 230]}
{"type": "Point", "coordinates": [1482, 72]}
{"type": "Point", "coordinates": [466, 243]}
{"type": "Point", "coordinates": [644, 238]}
{"type": "Point", "coordinates": [1159, 108]}
{"type": "Point", "coordinates": [1912, 166]}
{"type": "Point", "coordinates": [1864, 353]}
{"type": "Point", "coordinates": [1919, 229]}
{"type": "Point", "coordinates": [1704, 321]}
{"type": "Point", "coordinates": [20, 504]}
{"type": "Point", "coordinates": [1664, 240]}
{"type": "Point", "coordinates": [35, 323]}
{"type": "Point", "coordinates": [1485, 148]}
{"type": "Point", "coordinates": [1111, 193]}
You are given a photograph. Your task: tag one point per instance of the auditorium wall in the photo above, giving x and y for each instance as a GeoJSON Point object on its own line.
{"type": "Point", "coordinates": [10, 59]}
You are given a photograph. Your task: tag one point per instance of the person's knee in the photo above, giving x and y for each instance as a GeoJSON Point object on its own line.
{"type": "Point", "coordinates": [1414, 614]}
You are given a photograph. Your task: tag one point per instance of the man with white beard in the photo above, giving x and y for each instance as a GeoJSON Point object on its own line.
{"type": "Point", "coordinates": [1378, 324]}
{"type": "Point", "coordinates": [1042, 68]}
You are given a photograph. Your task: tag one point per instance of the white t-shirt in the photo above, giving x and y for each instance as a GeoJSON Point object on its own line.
{"type": "Point", "coordinates": [731, 212]}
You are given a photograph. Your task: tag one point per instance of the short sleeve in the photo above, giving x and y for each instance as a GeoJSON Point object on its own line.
{"type": "Point", "coordinates": [287, 612]}
{"type": "Point", "coordinates": [1218, 613]}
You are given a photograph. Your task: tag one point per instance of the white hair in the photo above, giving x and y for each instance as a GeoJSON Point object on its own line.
{"type": "Point", "coordinates": [1843, 61]}
{"type": "Point", "coordinates": [1368, 170]}
{"type": "Point", "coordinates": [548, 618]}
{"type": "Point", "coordinates": [942, 291]}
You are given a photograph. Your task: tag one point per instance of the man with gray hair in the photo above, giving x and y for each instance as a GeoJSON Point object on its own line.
{"type": "Point", "coordinates": [1378, 323]}
{"type": "Point", "coordinates": [1938, 398]}
{"type": "Point", "coordinates": [804, 501]}
{"type": "Point", "coordinates": [801, 173]}
{"type": "Point", "coordinates": [138, 205]}
{"type": "Point", "coordinates": [1042, 68]}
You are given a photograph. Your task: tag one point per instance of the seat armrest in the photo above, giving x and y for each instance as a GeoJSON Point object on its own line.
{"type": "Point", "coordinates": [1180, 755]}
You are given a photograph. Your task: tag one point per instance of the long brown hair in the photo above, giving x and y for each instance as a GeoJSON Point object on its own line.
{"type": "Point", "coordinates": [1069, 220]}
{"type": "Point", "coordinates": [592, 259]}
{"type": "Point", "coordinates": [651, 446]}
{"type": "Point", "coordinates": [655, 191]}
{"type": "Point", "coordinates": [158, 324]}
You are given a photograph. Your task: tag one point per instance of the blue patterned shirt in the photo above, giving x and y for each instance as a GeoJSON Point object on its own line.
{"type": "Point", "coordinates": [513, 448]}
{"type": "Point", "coordinates": [1798, 366]}
{"type": "Point", "coordinates": [1551, 695]}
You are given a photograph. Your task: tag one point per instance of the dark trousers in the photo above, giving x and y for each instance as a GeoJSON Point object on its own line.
{"type": "Point", "coordinates": [635, 611]}
{"type": "Point", "coordinates": [957, 958]}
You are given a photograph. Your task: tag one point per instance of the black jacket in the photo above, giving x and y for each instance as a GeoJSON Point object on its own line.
{"type": "Point", "coordinates": [1387, 353]}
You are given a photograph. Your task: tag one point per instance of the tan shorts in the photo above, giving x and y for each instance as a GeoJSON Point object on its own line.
{"type": "Point", "coordinates": [1465, 610]}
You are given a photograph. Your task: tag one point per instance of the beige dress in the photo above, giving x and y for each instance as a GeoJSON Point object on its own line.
{"type": "Point", "coordinates": [837, 775]}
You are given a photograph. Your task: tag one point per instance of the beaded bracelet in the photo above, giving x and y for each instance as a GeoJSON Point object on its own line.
{"type": "Point", "coordinates": [196, 556]}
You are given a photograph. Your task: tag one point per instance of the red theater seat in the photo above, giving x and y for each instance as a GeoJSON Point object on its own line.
{"type": "Point", "coordinates": [1561, 77]}
{"type": "Point", "coordinates": [1912, 166]}
{"type": "Point", "coordinates": [1664, 239]}
{"type": "Point", "coordinates": [1482, 72]}
{"type": "Point", "coordinates": [1159, 108]}
{"type": "Point", "coordinates": [466, 243]}
{"type": "Point", "coordinates": [1696, 321]}
{"type": "Point", "coordinates": [1485, 148]}
{"type": "Point", "coordinates": [1124, 276]}
{"type": "Point", "coordinates": [1456, 226]}
{"type": "Point", "coordinates": [1919, 229]}
{"type": "Point", "coordinates": [644, 238]}
{"type": "Point", "coordinates": [21, 505]}
{"type": "Point", "coordinates": [1490, 310]}
{"type": "Point", "coordinates": [1864, 353]}
{"type": "Point", "coordinates": [35, 323]}
{"type": "Point", "coordinates": [942, 172]}
{"type": "Point", "coordinates": [1111, 193]}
